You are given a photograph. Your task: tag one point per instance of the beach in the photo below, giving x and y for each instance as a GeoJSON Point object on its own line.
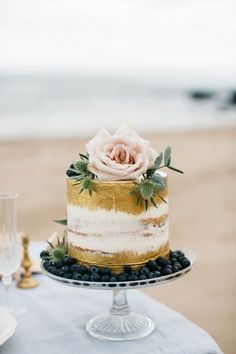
{"type": "Point", "coordinates": [202, 213]}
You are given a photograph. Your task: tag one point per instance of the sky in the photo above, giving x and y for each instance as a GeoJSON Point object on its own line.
{"type": "Point", "coordinates": [170, 39]}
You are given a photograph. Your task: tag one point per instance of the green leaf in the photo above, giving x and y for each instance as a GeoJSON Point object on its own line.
{"type": "Point", "coordinates": [83, 157]}
{"type": "Point", "coordinates": [175, 169]}
{"type": "Point", "coordinates": [50, 244]}
{"type": "Point", "coordinates": [134, 190]}
{"type": "Point", "coordinates": [62, 222]}
{"type": "Point", "coordinates": [159, 181]}
{"type": "Point", "coordinates": [161, 198]}
{"type": "Point", "coordinates": [167, 156]}
{"type": "Point", "coordinates": [153, 202]}
{"type": "Point", "coordinates": [74, 170]}
{"type": "Point", "coordinates": [95, 189]}
{"type": "Point", "coordinates": [138, 200]}
{"type": "Point", "coordinates": [158, 160]}
{"type": "Point", "coordinates": [146, 204]}
{"type": "Point", "coordinates": [151, 172]}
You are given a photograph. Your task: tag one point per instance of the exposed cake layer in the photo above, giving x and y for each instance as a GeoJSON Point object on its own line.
{"type": "Point", "coordinates": [140, 241]}
{"type": "Point", "coordinates": [100, 221]}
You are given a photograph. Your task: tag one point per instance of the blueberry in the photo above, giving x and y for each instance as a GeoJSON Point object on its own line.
{"type": "Point", "coordinates": [105, 278]}
{"type": "Point", "coordinates": [59, 264]}
{"type": "Point", "coordinates": [128, 269]}
{"type": "Point", "coordinates": [168, 262]}
{"type": "Point", "coordinates": [142, 277]}
{"type": "Point", "coordinates": [71, 173]}
{"type": "Point", "coordinates": [122, 277]}
{"type": "Point", "coordinates": [67, 275]}
{"type": "Point", "coordinates": [174, 255]}
{"type": "Point", "coordinates": [85, 277]}
{"type": "Point", "coordinates": [177, 264]}
{"type": "Point", "coordinates": [184, 262]}
{"type": "Point", "coordinates": [95, 277]}
{"type": "Point", "coordinates": [152, 265]}
{"type": "Point", "coordinates": [94, 270]}
{"type": "Point", "coordinates": [68, 260]}
{"type": "Point", "coordinates": [150, 275]}
{"type": "Point", "coordinates": [180, 253]}
{"type": "Point", "coordinates": [166, 271]}
{"type": "Point", "coordinates": [66, 268]}
{"type": "Point", "coordinates": [159, 268]}
{"type": "Point", "coordinates": [175, 269]}
{"type": "Point", "coordinates": [82, 269]}
{"type": "Point", "coordinates": [74, 268]}
{"type": "Point", "coordinates": [113, 278]}
{"type": "Point", "coordinates": [44, 254]}
{"type": "Point", "coordinates": [106, 271]}
{"type": "Point", "coordinates": [157, 274]}
{"type": "Point", "coordinates": [135, 272]}
{"type": "Point", "coordinates": [46, 264]}
{"type": "Point", "coordinates": [161, 261]}
{"type": "Point", "coordinates": [168, 266]}
{"type": "Point", "coordinates": [173, 260]}
{"type": "Point", "coordinates": [60, 272]}
{"type": "Point", "coordinates": [77, 276]}
{"type": "Point", "coordinates": [51, 269]}
{"type": "Point", "coordinates": [144, 271]}
{"type": "Point", "coordinates": [132, 277]}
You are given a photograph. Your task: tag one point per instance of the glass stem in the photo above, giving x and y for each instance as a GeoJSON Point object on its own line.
{"type": "Point", "coordinates": [7, 280]}
{"type": "Point", "coordinates": [120, 305]}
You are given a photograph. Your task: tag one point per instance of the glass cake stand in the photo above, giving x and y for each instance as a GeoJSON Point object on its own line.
{"type": "Point", "coordinates": [120, 323]}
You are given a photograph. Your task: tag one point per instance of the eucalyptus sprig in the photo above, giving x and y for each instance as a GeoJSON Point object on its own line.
{"type": "Point", "coordinates": [162, 157]}
{"type": "Point", "coordinates": [82, 175]}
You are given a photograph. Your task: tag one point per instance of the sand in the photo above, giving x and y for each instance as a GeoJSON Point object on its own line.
{"type": "Point", "coordinates": [202, 211]}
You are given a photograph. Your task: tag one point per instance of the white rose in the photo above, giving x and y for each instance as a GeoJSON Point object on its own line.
{"type": "Point", "coordinates": [122, 156]}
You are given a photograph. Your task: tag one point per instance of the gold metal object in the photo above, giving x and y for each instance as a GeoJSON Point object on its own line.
{"type": "Point", "coordinates": [26, 281]}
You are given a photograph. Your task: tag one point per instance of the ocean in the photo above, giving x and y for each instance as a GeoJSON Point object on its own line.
{"type": "Point", "coordinates": [77, 106]}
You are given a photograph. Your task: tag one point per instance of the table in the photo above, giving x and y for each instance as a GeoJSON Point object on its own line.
{"type": "Point", "coordinates": [54, 324]}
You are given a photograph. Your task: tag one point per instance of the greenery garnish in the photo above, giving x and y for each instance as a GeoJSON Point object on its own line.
{"type": "Point", "coordinates": [82, 175]}
{"type": "Point", "coordinates": [57, 252]}
{"type": "Point", "coordinates": [61, 222]}
{"type": "Point", "coordinates": [153, 183]}
{"type": "Point", "coordinates": [149, 187]}
{"type": "Point", "coordinates": [88, 184]}
{"type": "Point", "coordinates": [166, 158]}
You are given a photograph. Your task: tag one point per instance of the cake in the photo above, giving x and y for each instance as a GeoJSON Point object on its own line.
{"type": "Point", "coordinates": [117, 202]}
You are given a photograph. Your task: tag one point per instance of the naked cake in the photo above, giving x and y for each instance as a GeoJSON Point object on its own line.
{"type": "Point", "coordinates": [117, 202]}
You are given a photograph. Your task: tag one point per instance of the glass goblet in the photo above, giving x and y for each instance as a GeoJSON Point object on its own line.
{"type": "Point", "coordinates": [10, 246]}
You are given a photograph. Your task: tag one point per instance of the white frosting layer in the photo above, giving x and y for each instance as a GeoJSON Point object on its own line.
{"type": "Point", "coordinates": [111, 231]}
{"type": "Point", "coordinates": [111, 243]}
{"type": "Point", "coordinates": [101, 220]}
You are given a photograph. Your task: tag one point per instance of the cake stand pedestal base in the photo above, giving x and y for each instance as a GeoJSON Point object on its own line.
{"type": "Point", "coordinates": [120, 324]}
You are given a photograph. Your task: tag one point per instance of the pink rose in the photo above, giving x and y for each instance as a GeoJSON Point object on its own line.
{"type": "Point", "coordinates": [122, 156]}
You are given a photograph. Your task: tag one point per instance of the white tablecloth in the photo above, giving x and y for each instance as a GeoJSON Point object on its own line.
{"type": "Point", "coordinates": [56, 316]}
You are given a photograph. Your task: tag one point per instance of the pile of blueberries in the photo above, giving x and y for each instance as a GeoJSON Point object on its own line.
{"type": "Point", "coordinates": [69, 269]}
